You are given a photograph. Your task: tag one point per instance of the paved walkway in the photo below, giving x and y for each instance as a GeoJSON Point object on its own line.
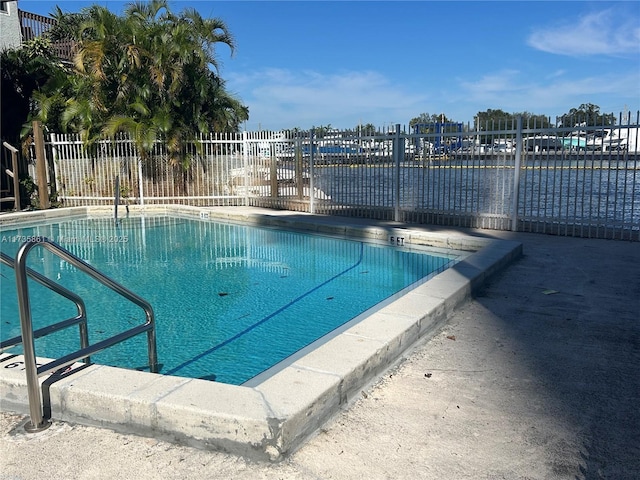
{"type": "Point", "coordinates": [537, 378]}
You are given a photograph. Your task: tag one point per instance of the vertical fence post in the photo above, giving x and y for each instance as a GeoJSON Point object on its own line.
{"type": "Point", "coordinates": [397, 155]}
{"type": "Point", "coordinates": [273, 171]}
{"type": "Point", "coordinates": [140, 182]}
{"type": "Point", "coordinates": [312, 202]}
{"type": "Point", "coordinates": [41, 165]}
{"type": "Point", "coordinates": [116, 199]}
{"type": "Point", "coordinates": [516, 176]}
{"type": "Point", "coordinates": [245, 166]}
{"type": "Point", "coordinates": [55, 183]}
{"type": "Point", "coordinates": [298, 167]}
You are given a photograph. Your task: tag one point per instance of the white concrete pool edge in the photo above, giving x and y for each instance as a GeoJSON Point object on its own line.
{"type": "Point", "coordinates": [271, 419]}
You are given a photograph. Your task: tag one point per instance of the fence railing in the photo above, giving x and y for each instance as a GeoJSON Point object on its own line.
{"type": "Point", "coordinates": [33, 25]}
{"type": "Point", "coordinates": [578, 181]}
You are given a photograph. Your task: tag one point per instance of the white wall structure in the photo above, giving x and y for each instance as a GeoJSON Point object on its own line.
{"type": "Point", "coordinates": [10, 34]}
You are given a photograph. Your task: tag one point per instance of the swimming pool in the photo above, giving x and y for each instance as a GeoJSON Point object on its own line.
{"type": "Point", "coordinates": [270, 418]}
{"type": "Point", "coordinates": [231, 301]}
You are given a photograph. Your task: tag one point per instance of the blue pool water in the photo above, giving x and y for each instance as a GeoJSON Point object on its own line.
{"type": "Point", "coordinates": [230, 300]}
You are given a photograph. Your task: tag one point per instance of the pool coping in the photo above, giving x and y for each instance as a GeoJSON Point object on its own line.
{"type": "Point", "coordinates": [269, 420]}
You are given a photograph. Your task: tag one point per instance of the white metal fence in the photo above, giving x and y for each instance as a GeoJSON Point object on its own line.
{"type": "Point", "coordinates": [578, 181]}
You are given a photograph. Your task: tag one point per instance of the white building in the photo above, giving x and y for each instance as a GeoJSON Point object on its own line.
{"type": "Point", "coordinates": [10, 32]}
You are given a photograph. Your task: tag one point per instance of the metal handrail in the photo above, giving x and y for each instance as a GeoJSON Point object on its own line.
{"type": "Point", "coordinates": [37, 422]}
{"type": "Point", "coordinates": [13, 173]}
{"type": "Point", "coordinates": [80, 319]}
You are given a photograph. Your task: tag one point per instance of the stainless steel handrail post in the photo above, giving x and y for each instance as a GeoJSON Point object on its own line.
{"type": "Point", "coordinates": [37, 422]}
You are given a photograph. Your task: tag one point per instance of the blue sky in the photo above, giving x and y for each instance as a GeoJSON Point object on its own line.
{"type": "Point", "coordinates": [312, 63]}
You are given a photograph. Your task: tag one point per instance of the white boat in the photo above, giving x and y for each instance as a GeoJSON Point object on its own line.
{"type": "Point", "coordinates": [608, 139]}
{"type": "Point", "coordinates": [502, 147]}
{"type": "Point", "coordinates": [604, 139]}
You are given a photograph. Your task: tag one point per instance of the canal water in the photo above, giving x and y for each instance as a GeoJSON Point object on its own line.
{"type": "Point", "coordinates": [550, 188]}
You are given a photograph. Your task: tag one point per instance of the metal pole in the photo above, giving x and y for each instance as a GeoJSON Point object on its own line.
{"type": "Point", "coordinates": [299, 168]}
{"type": "Point", "coordinates": [37, 422]}
{"type": "Point", "coordinates": [245, 159]}
{"type": "Point", "coordinates": [14, 175]}
{"type": "Point", "coordinates": [55, 181]}
{"type": "Point", "coordinates": [397, 155]}
{"type": "Point", "coordinates": [17, 206]}
{"type": "Point", "coordinates": [273, 171]}
{"type": "Point", "coordinates": [516, 176]}
{"type": "Point", "coordinates": [312, 202]}
{"type": "Point", "coordinates": [140, 183]}
{"type": "Point", "coordinates": [41, 165]}
{"type": "Point", "coordinates": [116, 199]}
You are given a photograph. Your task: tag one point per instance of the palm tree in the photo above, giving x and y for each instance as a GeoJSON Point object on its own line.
{"type": "Point", "coordinates": [152, 74]}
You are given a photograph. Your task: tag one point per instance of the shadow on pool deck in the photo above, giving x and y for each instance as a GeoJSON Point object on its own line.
{"type": "Point", "coordinates": [537, 377]}
{"type": "Point", "coordinates": [567, 314]}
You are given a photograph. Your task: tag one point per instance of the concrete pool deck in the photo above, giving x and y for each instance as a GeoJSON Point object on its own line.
{"type": "Point", "coordinates": [534, 378]}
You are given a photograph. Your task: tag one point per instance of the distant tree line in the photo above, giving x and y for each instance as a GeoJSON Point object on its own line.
{"type": "Point", "coordinates": [587, 114]}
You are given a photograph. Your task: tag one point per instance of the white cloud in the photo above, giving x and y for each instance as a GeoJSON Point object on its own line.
{"type": "Point", "coordinates": [497, 83]}
{"type": "Point", "coordinates": [285, 98]}
{"type": "Point", "coordinates": [515, 92]}
{"type": "Point", "coordinates": [557, 73]}
{"type": "Point", "coordinates": [281, 98]}
{"type": "Point", "coordinates": [608, 32]}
